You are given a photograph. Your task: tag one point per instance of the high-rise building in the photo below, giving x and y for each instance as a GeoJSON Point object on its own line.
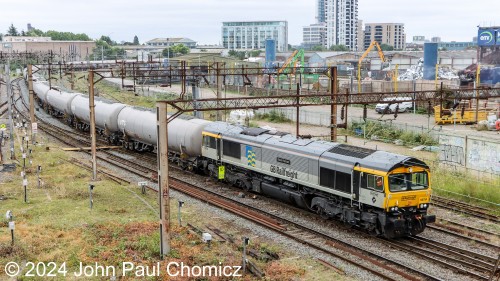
{"type": "Point", "coordinates": [392, 34]}
{"type": "Point", "coordinates": [314, 35]}
{"type": "Point", "coordinates": [251, 35]}
{"type": "Point", "coordinates": [320, 11]}
{"type": "Point", "coordinates": [341, 18]}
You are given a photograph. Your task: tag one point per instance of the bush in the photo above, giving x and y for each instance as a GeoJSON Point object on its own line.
{"type": "Point", "coordinates": [389, 133]}
{"type": "Point", "coordinates": [273, 116]}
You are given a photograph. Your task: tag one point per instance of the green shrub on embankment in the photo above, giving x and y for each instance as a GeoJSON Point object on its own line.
{"type": "Point", "coordinates": [387, 133]}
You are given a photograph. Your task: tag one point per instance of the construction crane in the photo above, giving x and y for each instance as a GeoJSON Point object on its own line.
{"type": "Point", "coordinates": [291, 63]}
{"type": "Point", "coordinates": [380, 54]}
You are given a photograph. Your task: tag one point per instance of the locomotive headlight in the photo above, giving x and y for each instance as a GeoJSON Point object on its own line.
{"type": "Point", "coordinates": [393, 209]}
{"type": "Point", "coordinates": [423, 206]}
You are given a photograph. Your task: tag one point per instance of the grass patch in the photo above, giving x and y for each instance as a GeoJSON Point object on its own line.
{"type": "Point", "coordinates": [446, 183]}
{"type": "Point", "coordinates": [273, 116]}
{"type": "Point", "coordinates": [387, 133]}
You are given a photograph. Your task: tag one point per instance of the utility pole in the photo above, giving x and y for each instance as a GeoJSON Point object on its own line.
{"type": "Point", "coordinates": [10, 100]}
{"type": "Point", "coordinates": [92, 124]}
{"type": "Point", "coordinates": [163, 187]}
{"type": "Point", "coordinates": [333, 107]}
{"type": "Point", "coordinates": [32, 102]}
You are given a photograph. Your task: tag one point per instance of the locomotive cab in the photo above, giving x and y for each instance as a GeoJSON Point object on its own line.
{"type": "Point", "coordinates": [408, 197]}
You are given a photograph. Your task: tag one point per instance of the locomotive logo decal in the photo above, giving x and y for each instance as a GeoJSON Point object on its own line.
{"type": "Point", "coordinates": [284, 172]}
{"type": "Point", "coordinates": [250, 156]}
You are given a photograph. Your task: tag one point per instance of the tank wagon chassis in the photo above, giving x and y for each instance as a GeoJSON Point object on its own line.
{"type": "Point", "coordinates": [352, 184]}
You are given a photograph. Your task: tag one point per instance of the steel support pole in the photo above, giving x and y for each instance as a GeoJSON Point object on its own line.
{"type": "Point", "coordinates": [297, 116]}
{"type": "Point", "coordinates": [92, 124]}
{"type": "Point", "coordinates": [32, 101]}
{"type": "Point", "coordinates": [11, 113]}
{"type": "Point", "coordinates": [346, 106]}
{"type": "Point", "coordinates": [333, 107]}
{"type": "Point", "coordinates": [217, 73]}
{"type": "Point", "coordinates": [163, 187]}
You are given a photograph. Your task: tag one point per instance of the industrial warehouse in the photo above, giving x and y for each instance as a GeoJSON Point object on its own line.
{"type": "Point", "coordinates": [329, 142]}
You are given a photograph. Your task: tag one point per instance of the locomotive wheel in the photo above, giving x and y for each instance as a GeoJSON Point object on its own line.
{"type": "Point", "coordinates": [418, 227]}
{"type": "Point", "coordinates": [321, 212]}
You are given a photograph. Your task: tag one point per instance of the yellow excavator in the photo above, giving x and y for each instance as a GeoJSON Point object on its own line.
{"type": "Point", "coordinates": [380, 54]}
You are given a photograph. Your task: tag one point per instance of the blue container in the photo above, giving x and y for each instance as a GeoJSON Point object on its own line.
{"type": "Point", "coordinates": [489, 76]}
{"type": "Point", "coordinates": [270, 52]}
{"type": "Point", "coordinates": [430, 60]}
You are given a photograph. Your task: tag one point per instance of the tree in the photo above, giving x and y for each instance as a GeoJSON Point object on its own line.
{"type": "Point", "coordinates": [180, 49]}
{"type": "Point", "coordinates": [237, 54]}
{"type": "Point", "coordinates": [35, 33]}
{"type": "Point", "coordinates": [255, 53]}
{"type": "Point", "coordinates": [386, 47]}
{"type": "Point", "coordinates": [12, 31]}
{"type": "Point", "coordinates": [136, 40]}
{"type": "Point", "coordinates": [108, 40]}
{"type": "Point", "coordinates": [66, 36]}
{"type": "Point", "coordinates": [339, 48]}
{"type": "Point", "coordinates": [318, 48]}
{"type": "Point", "coordinates": [175, 50]}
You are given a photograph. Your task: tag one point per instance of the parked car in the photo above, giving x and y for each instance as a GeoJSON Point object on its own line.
{"type": "Point", "coordinates": [405, 104]}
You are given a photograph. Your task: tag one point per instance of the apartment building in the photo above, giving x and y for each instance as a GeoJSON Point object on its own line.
{"type": "Point", "coordinates": [392, 34]}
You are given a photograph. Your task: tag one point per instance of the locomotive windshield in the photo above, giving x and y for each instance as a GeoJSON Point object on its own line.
{"type": "Point", "coordinates": [408, 181]}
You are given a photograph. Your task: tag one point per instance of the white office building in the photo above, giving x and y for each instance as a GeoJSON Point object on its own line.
{"type": "Point", "coordinates": [252, 35]}
{"type": "Point", "coordinates": [314, 35]}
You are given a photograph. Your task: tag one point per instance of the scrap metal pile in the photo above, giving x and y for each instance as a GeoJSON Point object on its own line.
{"type": "Point", "coordinates": [416, 72]}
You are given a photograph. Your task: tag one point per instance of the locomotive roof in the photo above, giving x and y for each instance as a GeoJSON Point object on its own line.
{"type": "Point", "coordinates": [343, 154]}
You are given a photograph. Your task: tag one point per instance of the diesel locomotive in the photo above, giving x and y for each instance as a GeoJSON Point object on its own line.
{"type": "Point", "coordinates": [384, 193]}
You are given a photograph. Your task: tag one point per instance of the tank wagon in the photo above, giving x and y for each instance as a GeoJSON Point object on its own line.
{"type": "Point", "coordinates": [384, 193]}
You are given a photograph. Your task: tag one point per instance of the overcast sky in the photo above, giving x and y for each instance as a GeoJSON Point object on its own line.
{"type": "Point", "coordinates": [201, 20]}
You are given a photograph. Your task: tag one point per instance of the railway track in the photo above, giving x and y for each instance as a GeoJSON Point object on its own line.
{"type": "Point", "coordinates": [461, 260]}
{"type": "Point", "coordinates": [461, 207]}
{"type": "Point", "coordinates": [465, 234]}
{"type": "Point", "coordinates": [301, 234]}
{"type": "Point", "coordinates": [3, 108]}
{"type": "Point", "coordinates": [378, 265]}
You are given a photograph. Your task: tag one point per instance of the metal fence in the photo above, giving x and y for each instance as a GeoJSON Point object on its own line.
{"type": "Point", "coordinates": [323, 119]}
